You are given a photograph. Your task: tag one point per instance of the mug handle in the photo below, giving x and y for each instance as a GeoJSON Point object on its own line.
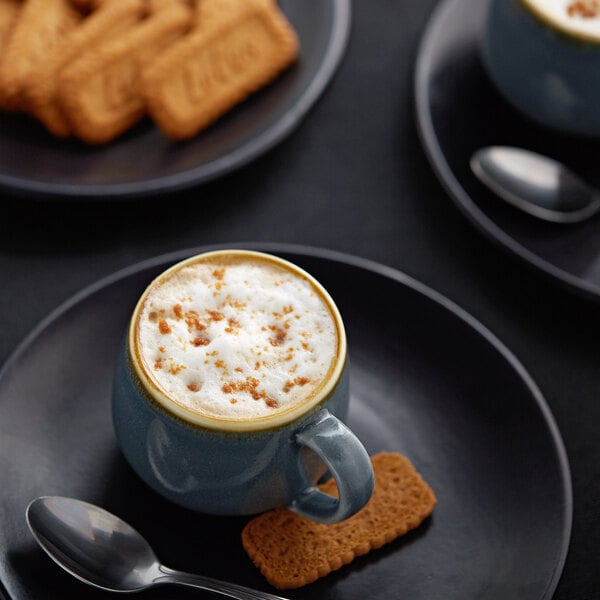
{"type": "Point", "coordinates": [347, 461]}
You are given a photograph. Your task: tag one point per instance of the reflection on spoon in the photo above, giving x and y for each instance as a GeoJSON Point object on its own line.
{"type": "Point", "coordinates": [535, 184]}
{"type": "Point", "coordinates": [105, 552]}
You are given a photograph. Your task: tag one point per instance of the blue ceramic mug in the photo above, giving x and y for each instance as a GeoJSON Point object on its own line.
{"type": "Point", "coordinates": [231, 467]}
{"type": "Point", "coordinates": [544, 57]}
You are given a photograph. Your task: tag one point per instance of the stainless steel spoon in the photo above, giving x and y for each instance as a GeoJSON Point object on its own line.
{"type": "Point", "coordinates": [536, 184]}
{"type": "Point", "coordinates": [105, 552]}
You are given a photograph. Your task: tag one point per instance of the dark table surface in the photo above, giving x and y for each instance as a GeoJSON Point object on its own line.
{"type": "Point", "coordinates": [352, 178]}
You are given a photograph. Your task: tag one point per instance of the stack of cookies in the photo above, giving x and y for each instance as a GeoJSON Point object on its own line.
{"type": "Point", "coordinates": [93, 68]}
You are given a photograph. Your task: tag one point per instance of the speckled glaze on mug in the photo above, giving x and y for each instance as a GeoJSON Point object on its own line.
{"type": "Point", "coordinates": [229, 467]}
{"type": "Point", "coordinates": [544, 68]}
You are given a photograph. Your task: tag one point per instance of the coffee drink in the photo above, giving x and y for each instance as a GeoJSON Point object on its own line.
{"type": "Point", "coordinates": [236, 336]}
{"type": "Point", "coordinates": [543, 56]}
{"type": "Point", "coordinates": [580, 18]}
{"type": "Point", "coordinates": [234, 364]}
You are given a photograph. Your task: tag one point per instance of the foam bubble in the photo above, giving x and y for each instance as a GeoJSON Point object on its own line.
{"type": "Point", "coordinates": [236, 339]}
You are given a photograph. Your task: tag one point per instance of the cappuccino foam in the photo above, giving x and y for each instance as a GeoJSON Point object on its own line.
{"type": "Point", "coordinates": [580, 17]}
{"type": "Point", "coordinates": [236, 339]}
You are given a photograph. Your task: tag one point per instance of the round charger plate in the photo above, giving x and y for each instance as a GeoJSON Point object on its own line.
{"type": "Point", "coordinates": [144, 161]}
{"type": "Point", "coordinates": [427, 380]}
{"type": "Point", "coordinates": [459, 110]}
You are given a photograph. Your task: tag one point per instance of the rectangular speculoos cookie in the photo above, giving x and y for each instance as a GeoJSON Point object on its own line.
{"type": "Point", "coordinates": [9, 10]}
{"type": "Point", "coordinates": [237, 47]}
{"type": "Point", "coordinates": [100, 92]}
{"type": "Point", "coordinates": [292, 551]}
{"type": "Point", "coordinates": [112, 18]}
{"type": "Point", "coordinates": [40, 27]}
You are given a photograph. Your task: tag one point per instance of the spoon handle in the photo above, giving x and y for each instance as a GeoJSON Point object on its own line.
{"type": "Point", "coordinates": [224, 588]}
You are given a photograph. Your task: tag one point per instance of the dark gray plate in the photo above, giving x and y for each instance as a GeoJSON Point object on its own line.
{"type": "Point", "coordinates": [145, 162]}
{"type": "Point", "coordinates": [427, 380]}
{"type": "Point", "coordinates": [459, 110]}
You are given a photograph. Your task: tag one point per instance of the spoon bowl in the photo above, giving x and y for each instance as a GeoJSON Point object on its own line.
{"type": "Point", "coordinates": [102, 550]}
{"type": "Point", "coordinates": [536, 184]}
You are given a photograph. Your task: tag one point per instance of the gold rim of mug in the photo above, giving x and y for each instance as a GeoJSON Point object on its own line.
{"type": "Point", "coordinates": [237, 425]}
{"type": "Point", "coordinates": [558, 25]}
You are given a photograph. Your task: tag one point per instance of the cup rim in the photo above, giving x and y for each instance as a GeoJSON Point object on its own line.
{"type": "Point", "coordinates": [229, 424]}
{"type": "Point", "coordinates": [558, 25]}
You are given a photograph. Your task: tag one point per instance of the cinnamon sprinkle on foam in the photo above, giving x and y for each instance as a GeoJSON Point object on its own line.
{"type": "Point", "coordinates": [240, 332]}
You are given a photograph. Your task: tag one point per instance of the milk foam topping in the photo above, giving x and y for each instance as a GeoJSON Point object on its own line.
{"type": "Point", "coordinates": [580, 17]}
{"type": "Point", "coordinates": [236, 339]}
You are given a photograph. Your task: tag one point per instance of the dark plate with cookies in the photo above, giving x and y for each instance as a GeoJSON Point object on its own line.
{"type": "Point", "coordinates": [427, 381]}
{"type": "Point", "coordinates": [129, 98]}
